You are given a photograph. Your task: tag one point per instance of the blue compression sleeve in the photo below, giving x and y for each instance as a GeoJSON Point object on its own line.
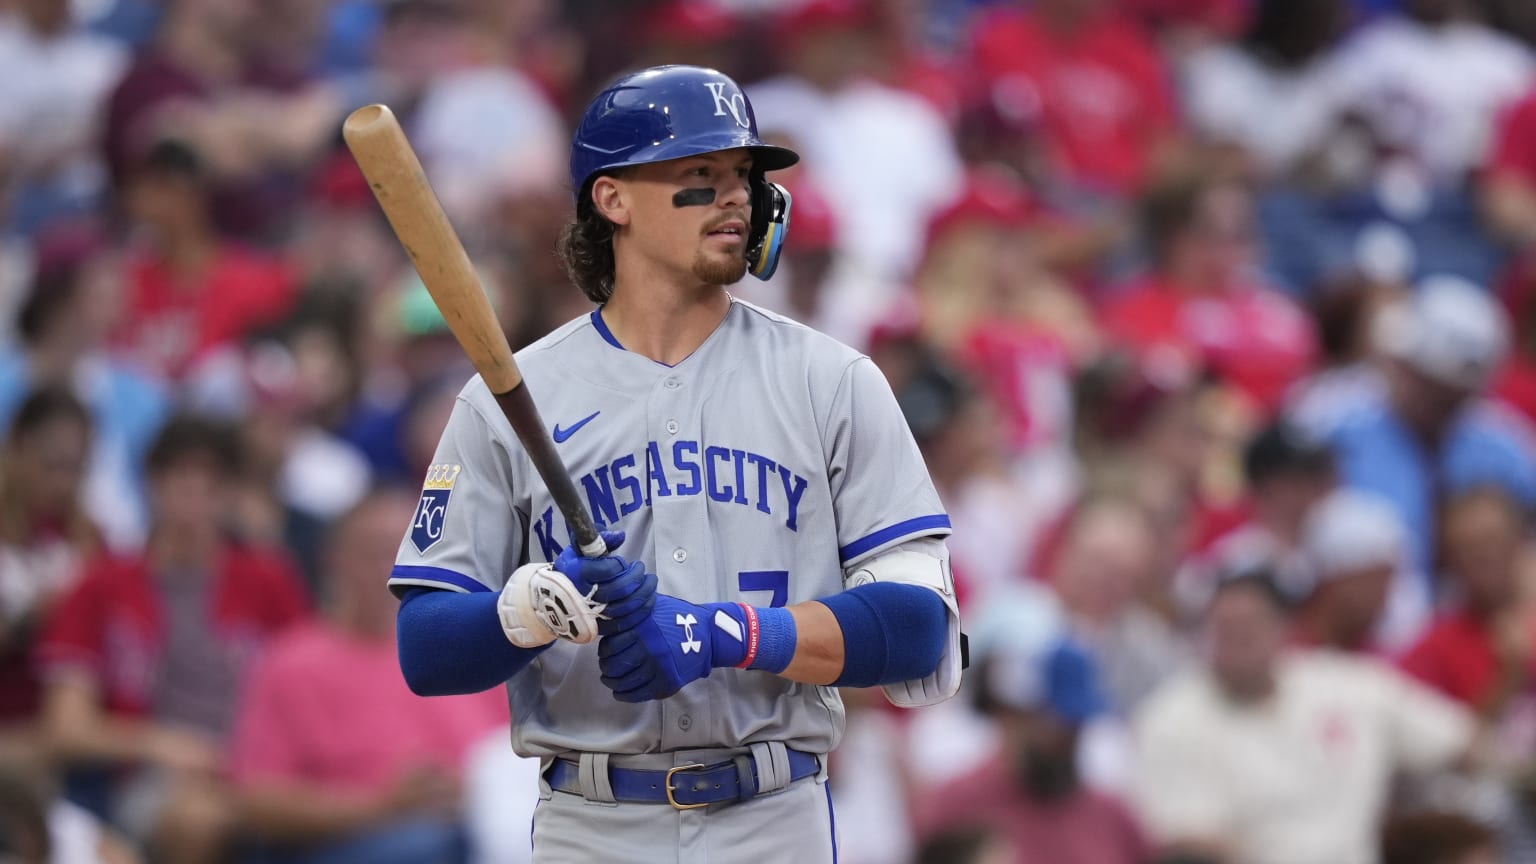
{"type": "Point", "coordinates": [452, 643]}
{"type": "Point", "coordinates": [891, 632]}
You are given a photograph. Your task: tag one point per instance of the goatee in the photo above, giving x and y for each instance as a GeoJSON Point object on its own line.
{"type": "Point", "coordinates": [720, 271]}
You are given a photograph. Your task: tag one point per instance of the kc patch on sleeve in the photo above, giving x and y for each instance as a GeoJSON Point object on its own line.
{"type": "Point", "coordinates": [432, 509]}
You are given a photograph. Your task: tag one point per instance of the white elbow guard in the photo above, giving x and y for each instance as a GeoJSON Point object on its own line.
{"type": "Point", "coordinates": [924, 562]}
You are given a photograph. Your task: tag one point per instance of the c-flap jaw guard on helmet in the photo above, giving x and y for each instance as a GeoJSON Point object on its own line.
{"type": "Point", "coordinates": [771, 204]}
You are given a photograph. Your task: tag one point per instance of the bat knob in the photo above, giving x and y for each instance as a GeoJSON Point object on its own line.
{"type": "Point", "coordinates": [365, 120]}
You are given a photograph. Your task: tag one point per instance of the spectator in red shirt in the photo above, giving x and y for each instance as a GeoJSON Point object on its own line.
{"type": "Point", "coordinates": [680, 31]}
{"type": "Point", "coordinates": [1096, 81]}
{"type": "Point", "coordinates": [1515, 381]}
{"type": "Point", "coordinates": [1203, 298]}
{"type": "Point", "coordinates": [44, 537]}
{"type": "Point", "coordinates": [333, 756]}
{"type": "Point", "coordinates": [1509, 177]}
{"type": "Point", "coordinates": [143, 659]}
{"type": "Point", "coordinates": [1041, 690]}
{"type": "Point", "coordinates": [1509, 202]}
{"type": "Point", "coordinates": [983, 297]}
{"type": "Point", "coordinates": [1480, 651]}
{"type": "Point", "coordinates": [190, 291]}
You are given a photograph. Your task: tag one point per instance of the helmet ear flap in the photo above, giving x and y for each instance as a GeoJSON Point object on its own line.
{"type": "Point", "coordinates": [770, 225]}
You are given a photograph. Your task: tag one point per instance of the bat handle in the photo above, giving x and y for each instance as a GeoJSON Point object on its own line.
{"type": "Point", "coordinates": [584, 532]}
{"type": "Point", "coordinates": [584, 535]}
{"type": "Point", "coordinates": [594, 549]}
{"type": "Point", "coordinates": [518, 407]}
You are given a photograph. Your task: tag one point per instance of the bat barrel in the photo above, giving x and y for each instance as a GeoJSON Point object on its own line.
{"type": "Point", "coordinates": [379, 145]}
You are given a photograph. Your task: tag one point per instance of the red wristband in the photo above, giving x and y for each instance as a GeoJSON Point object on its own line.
{"type": "Point", "coordinates": [752, 636]}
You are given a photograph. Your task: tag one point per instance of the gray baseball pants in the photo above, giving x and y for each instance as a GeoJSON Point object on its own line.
{"type": "Point", "coordinates": [795, 823]}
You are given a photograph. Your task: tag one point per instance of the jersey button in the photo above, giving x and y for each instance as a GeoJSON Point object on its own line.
{"type": "Point", "coordinates": [671, 427]}
{"type": "Point", "coordinates": [672, 383]}
{"type": "Point", "coordinates": [685, 722]}
{"type": "Point", "coordinates": [679, 555]}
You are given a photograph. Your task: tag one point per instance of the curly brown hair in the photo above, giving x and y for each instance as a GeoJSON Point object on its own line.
{"type": "Point", "coordinates": [586, 250]}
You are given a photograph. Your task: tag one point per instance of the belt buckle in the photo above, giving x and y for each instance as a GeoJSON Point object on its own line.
{"type": "Point", "coordinates": [671, 789]}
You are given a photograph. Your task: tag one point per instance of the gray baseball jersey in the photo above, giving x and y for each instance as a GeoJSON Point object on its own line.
{"type": "Point", "coordinates": [755, 470]}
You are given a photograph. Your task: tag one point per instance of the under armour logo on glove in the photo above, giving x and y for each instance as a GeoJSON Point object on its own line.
{"type": "Point", "coordinates": [690, 645]}
{"type": "Point", "coordinates": [666, 649]}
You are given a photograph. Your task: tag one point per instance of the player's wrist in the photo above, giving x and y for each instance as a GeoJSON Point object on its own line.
{"type": "Point", "coordinates": [763, 638]}
{"type": "Point", "coordinates": [777, 639]}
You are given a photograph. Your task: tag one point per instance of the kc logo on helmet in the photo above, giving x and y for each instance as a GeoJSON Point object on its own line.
{"type": "Point", "coordinates": [432, 508]}
{"type": "Point", "coordinates": [735, 103]}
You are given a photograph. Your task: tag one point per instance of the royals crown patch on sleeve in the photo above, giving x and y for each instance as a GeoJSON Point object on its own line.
{"type": "Point", "coordinates": [432, 509]}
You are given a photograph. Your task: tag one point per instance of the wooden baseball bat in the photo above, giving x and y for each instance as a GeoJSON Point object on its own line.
{"type": "Point", "coordinates": [379, 145]}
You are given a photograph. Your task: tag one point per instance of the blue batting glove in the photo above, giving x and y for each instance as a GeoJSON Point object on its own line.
{"type": "Point", "coordinates": [586, 573]}
{"type": "Point", "coordinates": [677, 643]}
{"type": "Point", "coordinates": [627, 593]}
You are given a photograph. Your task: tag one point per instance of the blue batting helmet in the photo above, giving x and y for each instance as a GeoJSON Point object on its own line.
{"type": "Point", "coordinates": [667, 112]}
{"type": "Point", "coordinates": [670, 112]}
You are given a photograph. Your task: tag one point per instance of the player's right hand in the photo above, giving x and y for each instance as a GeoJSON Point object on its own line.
{"type": "Point", "coordinates": [575, 598]}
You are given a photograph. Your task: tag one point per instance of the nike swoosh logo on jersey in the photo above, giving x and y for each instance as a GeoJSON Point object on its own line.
{"type": "Point", "coordinates": [562, 434]}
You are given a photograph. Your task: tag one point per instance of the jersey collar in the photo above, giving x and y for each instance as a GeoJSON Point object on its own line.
{"type": "Point", "coordinates": [602, 330]}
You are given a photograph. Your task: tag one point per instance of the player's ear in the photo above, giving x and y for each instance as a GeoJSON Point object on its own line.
{"type": "Point", "coordinates": [609, 200]}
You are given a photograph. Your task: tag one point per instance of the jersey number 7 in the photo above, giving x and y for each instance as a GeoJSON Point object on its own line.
{"type": "Point", "coordinates": [776, 581]}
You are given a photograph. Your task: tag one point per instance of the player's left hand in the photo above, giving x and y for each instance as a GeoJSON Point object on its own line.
{"type": "Point", "coordinates": [575, 598]}
{"type": "Point", "coordinates": [677, 643]}
{"type": "Point", "coordinates": [622, 593]}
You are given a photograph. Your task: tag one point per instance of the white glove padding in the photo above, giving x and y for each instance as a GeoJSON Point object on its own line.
{"type": "Point", "coordinates": [539, 604]}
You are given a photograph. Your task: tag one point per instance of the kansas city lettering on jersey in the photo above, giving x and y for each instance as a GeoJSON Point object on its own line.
{"type": "Point", "coordinates": [726, 474]}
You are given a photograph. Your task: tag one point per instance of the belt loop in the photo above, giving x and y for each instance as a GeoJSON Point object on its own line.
{"type": "Point", "coordinates": [772, 761]}
{"type": "Point", "coordinates": [746, 778]}
{"type": "Point", "coordinates": [546, 765]}
{"type": "Point", "coordinates": [593, 775]}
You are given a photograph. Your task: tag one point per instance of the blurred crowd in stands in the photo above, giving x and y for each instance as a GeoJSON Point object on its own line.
{"type": "Point", "coordinates": [1215, 320]}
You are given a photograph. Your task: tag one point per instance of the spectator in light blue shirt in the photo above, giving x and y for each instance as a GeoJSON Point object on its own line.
{"type": "Point", "coordinates": [1430, 436]}
{"type": "Point", "coordinates": [63, 327]}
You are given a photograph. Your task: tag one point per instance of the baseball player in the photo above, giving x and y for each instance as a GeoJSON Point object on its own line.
{"type": "Point", "coordinates": [682, 710]}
